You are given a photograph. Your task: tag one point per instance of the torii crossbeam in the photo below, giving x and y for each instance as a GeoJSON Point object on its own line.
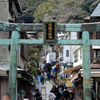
{"type": "Point", "coordinates": [85, 42]}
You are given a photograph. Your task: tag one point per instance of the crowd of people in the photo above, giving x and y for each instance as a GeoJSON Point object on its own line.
{"type": "Point", "coordinates": [59, 92]}
{"type": "Point", "coordinates": [62, 93]}
{"type": "Point", "coordinates": [45, 77]}
{"type": "Point", "coordinates": [56, 93]}
{"type": "Point", "coordinates": [37, 95]}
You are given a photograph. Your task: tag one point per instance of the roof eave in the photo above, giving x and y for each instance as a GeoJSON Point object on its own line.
{"type": "Point", "coordinates": [18, 6]}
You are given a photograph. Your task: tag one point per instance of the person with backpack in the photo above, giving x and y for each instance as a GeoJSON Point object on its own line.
{"type": "Point", "coordinates": [38, 95]}
{"type": "Point", "coordinates": [51, 95]}
{"type": "Point", "coordinates": [65, 94]}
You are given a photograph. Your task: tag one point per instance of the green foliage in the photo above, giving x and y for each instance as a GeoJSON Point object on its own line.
{"type": "Point", "coordinates": [29, 8]}
{"type": "Point", "coordinates": [34, 57]}
{"type": "Point", "coordinates": [39, 10]}
{"type": "Point", "coordinates": [32, 63]}
{"type": "Point", "coordinates": [78, 17]}
{"type": "Point", "coordinates": [33, 60]}
{"type": "Point", "coordinates": [34, 50]}
{"type": "Point", "coordinates": [71, 3]}
{"type": "Point", "coordinates": [33, 70]}
{"type": "Point", "coordinates": [27, 16]}
{"type": "Point", "coordinates": [93, 6]}
{"type": "Point", "coordinates": [86, 4]}
{"type": "Point", "coordinates": [44, 8]}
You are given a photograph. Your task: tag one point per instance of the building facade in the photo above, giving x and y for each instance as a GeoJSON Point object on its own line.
{"type": "Point", "coordinates": [94, 55]}
{"type": "Point", "coordinates": [9, 13]}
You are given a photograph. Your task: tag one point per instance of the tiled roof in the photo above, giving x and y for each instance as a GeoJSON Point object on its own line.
{"type": "Point", "coordinates": [6, 67]}
{"type": "Point", "coordinates": [96, 12]}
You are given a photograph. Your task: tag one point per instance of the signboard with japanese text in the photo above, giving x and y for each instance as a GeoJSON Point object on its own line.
{"type": "Point", "coordinates": [51, 57]}
{"type": "Point", "coordinates": [50, 31]}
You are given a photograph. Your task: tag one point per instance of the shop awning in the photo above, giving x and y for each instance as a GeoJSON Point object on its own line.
{"type": "Point", "coordinates": [75, 77]}
{"type": "Point", "coordinates": [2, 71]}
{"type": "Point", "coordinates": [68, 82]}
{"type": "Point", "coordinates": [69, 69]}
{"type": "Point", "coordinates": [94, 72]}
{"type": "Point", "coordinates": [7, 66]}
{"type": "Point", "coordinates": [55, 66]}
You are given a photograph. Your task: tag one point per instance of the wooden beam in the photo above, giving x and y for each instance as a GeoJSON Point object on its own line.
{"type": "Point", "coordinates": [13, 65]}
{"type": "Point", "coordinates": [91, 27]}
{"type": "Point", "coordinates": [86, 66]}
{"type": "Point", "coordinates": [41, 42]}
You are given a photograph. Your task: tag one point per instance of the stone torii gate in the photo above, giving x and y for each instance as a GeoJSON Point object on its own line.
{"type": "Point", "coordinates": [85, 42]}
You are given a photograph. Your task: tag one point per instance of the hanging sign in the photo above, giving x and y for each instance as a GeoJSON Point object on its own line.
{"type": "Point", "coordinates": [50, 31]}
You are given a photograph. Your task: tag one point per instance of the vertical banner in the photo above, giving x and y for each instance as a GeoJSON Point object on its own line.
{"type": "Point", "coordinates": [54, 73]}
{"type": "Point", "coordinates": [38, 86]}
{"type": "Point", "coordinates": [64, 73]}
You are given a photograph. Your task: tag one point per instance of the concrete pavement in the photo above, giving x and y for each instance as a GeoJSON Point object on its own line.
{"type": "Point", "coordinates": [48, 86]}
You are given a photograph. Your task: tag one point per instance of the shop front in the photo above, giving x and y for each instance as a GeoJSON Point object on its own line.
{"type": "Point", "coordinates": [25, 86]}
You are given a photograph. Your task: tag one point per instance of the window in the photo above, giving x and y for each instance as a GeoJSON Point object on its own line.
{"type": "Point", "coordinates": [67, 53]}
{"type": "Point", "coordinates": [76, 56]}
{"type": "Point", "coordinates": [98, 35]}
{"type": "Point", "coordinates": [94, 54]}
{"type": "Point", "coordinates": [98, 54]}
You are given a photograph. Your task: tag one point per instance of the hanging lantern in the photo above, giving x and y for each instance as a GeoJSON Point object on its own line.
{"type": "Point", "coordinates": [68, 82]}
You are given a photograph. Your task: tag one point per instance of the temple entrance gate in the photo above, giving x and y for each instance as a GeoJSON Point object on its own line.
{"type": "Point", "coordinates": [85, 42]}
